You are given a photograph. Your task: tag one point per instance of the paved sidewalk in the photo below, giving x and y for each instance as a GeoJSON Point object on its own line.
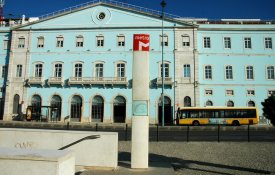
{"type": "Point", "coordinates": [199, 158]}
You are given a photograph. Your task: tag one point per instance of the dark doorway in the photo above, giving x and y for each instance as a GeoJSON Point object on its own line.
{"type": "Point", "coordinates": [119, 109]}
{"type": "Point", "coordinates": [97, 109]}
{"type": "Point", "coordinates": [2, 102]}
{"type": "Point", "coordinates": [76, 108]}
{"type": "Point", "coordinates": [168, 109]}
{"type": "Point", "coordinates": [56, 104]}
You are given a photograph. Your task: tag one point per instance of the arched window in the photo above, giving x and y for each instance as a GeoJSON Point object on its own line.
{"type": "Point", "coordinates": [98, 108]}
{"type": "Point", "coordinates": [76, 108]}
{"type": "Point", "coordinates": [36, 103]}
{"type": "Point", "coordinates": [119, 109]}
{"type": "Point", "coordinates": [251, 103]}
{"type": "Point", "coordinates": [56, 104]}
{"type": "Point", "coordinates": [230, 103]}
{"type": "Point", "coordinates": [187, 101]}
{"type": "Point", "coordinates": [209, 103]}
{"type": "Point", "coordinates": [16, 99]}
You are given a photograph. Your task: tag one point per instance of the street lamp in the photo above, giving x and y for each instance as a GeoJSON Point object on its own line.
{"type": "Point", "coordinates": [162, 4]}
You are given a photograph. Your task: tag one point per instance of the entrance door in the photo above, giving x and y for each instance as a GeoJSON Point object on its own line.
{"type": "Point", "coordinates": [119, 109]}
{"type": "Point", "coordinates": [168, 109]}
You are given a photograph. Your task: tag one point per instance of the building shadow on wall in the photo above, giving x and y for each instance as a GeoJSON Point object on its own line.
{"type": "Point", "coordinates": [195, 166]}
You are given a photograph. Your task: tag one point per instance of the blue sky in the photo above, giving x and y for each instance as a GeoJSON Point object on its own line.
{"type": "Point", "coordinates": [211, 9]}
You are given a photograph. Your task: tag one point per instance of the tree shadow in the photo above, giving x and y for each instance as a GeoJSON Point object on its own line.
{"type": "Point", "coordinates": [155, 160]}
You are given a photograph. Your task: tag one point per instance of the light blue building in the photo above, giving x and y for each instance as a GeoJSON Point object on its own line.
{"type": "Point", "coordinates": [236, 62]}
{"type": "Point", "coordinates": [80, 62]}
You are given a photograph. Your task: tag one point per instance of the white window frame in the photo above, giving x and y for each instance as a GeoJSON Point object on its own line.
{"type": "Point", "coordinates": [38, 71]}
{"type": "Point", "coordinates": [268, 44]}
{"type": "Point", "coordinates": [78, 71]}
{"type": "Point", "coordinates": [247, 42]}
{"type": "Point", "coordinates": [6, 44]}
{"type": "Point", "coordinates": [208, 92]}
{"type": "Point", "coordinates": [60, 41]}
{"type": "Point", "coordinates": [40, 42]}
{"type": "Point", "coordinates": [21, 42]}
{"type": "Point", "coordinates": [248, 92]}
{"type": "Point", "coordinates": [79, 41]}
{"type": "Point", "coordinates": [204, 71]}
{"type": "Point", "coordinates": [121, 41]}
{"type": "Point", "coordinates": [118, 71]}
{"type": "Point", "coordinates": [4, 71]}
{"type": "Point", "coordinates": [19, 70]}
{"type": "Point", "coordinates": [165, 40]}
{"type": "Point", "coordinates": [166, 69]}
{"type": "Point", "coordinates": [247, 76]}
{"type": "Point", "coordinates": [100, 41]}
{"type": "Point", "coordinates": [270, 75]}
{"type": "Point", "coordinates": [227, 43]}
{"type": "Point", "coordinates": [229, 92]}
{"type": "Point", "coordinates": [57, 69]}
{"type": "Point", "coordinates": [226, 72]}
{"type": "Point", "coordinates": [185, 40]}
{"type": "Point", "coordinates": [99, 71]}
{"type": "Point", "coordinates": [185, 70]}
{"type": "Point", "coordinates": [207, 42]}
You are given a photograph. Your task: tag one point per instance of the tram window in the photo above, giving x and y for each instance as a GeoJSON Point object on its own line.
{"type": "Point", "coordinates": [183, 114]}
{"type": "Point", "coordinates": [251, 113]}
{"type": "Point", "coordinates": [229, 114]}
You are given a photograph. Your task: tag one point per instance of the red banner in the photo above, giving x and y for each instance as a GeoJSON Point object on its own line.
{"type": "Point", "coordinates": [141, 42]}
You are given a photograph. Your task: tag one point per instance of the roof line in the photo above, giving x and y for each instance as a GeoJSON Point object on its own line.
{"type": "Point", "coordinates": [115, 3]}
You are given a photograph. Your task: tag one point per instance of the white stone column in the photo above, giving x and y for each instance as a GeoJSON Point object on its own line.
{"type": "Point", "coordinates": [140, 118]}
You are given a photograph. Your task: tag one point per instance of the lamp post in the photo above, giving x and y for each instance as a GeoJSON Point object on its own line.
{"type": "Point", "coordinates": [162, 4]}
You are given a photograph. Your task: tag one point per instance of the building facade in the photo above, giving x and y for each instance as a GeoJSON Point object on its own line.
{"type": "Point", "coordinates": [80, 62]}
{"type": "Point", "coordinates": [77, 64]}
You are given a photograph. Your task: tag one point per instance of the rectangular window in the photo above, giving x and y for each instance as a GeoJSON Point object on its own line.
{"type": "Point", "coordinates": [99, 70]}
{"type": "Point", "coordinates": [206, 42]}
{"type": "Point", "coordinates": [208, 72]}
{"type": "Point", "coordinates": [229, 72]}
{"type": "Point", "coordinates": [186, 71]}
{"type": "Point", "coordinates": [165, 40]}
{"type": "Point", "coordinates": [250, 92]}
{"type": "Point", "coordinates": [19, 70]}
{"type": "Point", "coordinates": [78, 70]}
{"type": "Point", "coordinates": [4, 71]}
{"type": "Point", "coordinates": [249, 73]}
{"type": "Point", "coordinates": [100, 41]}
{"type": "Point", "coordinates": [38, 70]}
{"type": "Point", "coordinates": [121, 70]}
{"type": "Point", "coordinates": [58, 70]}
{"type": "Point", "coordinates": [268, 43]}
{"type": "Point", "coordinates": [21, 42]}
{"type": "Point", "coordinates": [79, 41]}
{"type": "Point", "coordinates": [6, 44]}
{"type": "Point", "coordinates": [121, 41]}
{"type": "Point", "coordinates": [208, 92]}
{"type": "Point", "coordinates": [185, 41]}
{"type": "Point", "coordinates": [227, 42]}
{"type": "Point", "coordinates": [166, 70]}
{"type": "Point", "coordinates": [59, 41]}
{"type": "Point", "coordinates": [270, 73]}
{"type": "Point", "coordinates": [40, 42]}
{"type": "Point", "coordinates": [229, 92]}
{"type": "Point", "coordinates": [270, 92]}
{"type": "Point", "coordinates": [247, 43]}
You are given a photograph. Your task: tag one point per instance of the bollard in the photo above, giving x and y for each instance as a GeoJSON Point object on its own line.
{"type": "Point", "coordinates": [157, 132]}
{"type": "Point", "coordinates": [187, 133]}
{"type": "Point", "coordinates": [126, 131]}
{"type": "Point", "coordinates": [248, 132]}
{"type": "Point", "coordinates": [218, 133]}
{"type": "Point", "coordinates": [68, 125]}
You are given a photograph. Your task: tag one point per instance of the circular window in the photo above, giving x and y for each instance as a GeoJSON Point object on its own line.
{"type": "Point", "coordinates": [101, 16]}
